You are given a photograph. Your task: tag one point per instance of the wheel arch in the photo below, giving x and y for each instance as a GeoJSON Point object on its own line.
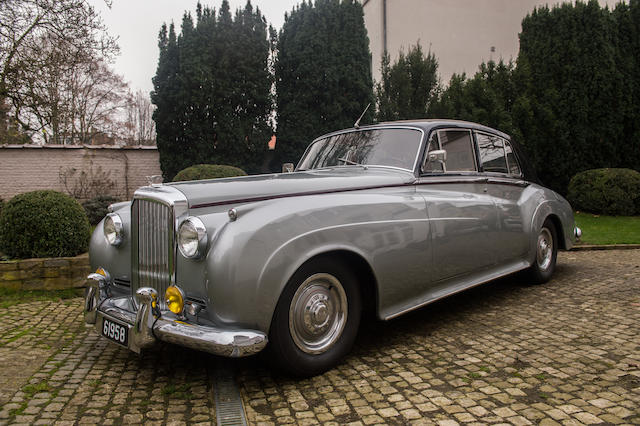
{"type": "Point", "coordinates": [367, 282]}
{"type": "Point", "coordinates": [557, 223]}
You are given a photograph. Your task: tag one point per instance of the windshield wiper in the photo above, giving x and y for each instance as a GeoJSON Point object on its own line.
{"type": "Point", "coordinates": [353, 163]}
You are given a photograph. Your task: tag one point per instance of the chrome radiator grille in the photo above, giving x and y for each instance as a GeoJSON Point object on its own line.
{"type": "Point", "coordinates": [153, 247]}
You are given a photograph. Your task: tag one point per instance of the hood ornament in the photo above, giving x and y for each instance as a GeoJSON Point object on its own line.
{"type": "Point", "coordinates": [154, 180]}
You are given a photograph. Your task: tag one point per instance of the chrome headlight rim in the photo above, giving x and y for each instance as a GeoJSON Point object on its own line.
{"type": "Point", "coordinates": [196, 228]}
{"type": "Point", "coordinates": [113, 229]}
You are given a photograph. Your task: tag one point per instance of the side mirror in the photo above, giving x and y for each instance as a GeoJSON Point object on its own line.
{"type": "Point", "coordinates": [435, 161]}
{"type": "Point", "coordinates": [287, 168]}
{"type": "Point", "coordinates": [439, 156]}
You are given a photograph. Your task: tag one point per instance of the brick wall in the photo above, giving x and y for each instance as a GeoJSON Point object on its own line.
{"type": "Point", "coordinates": [25, 168]}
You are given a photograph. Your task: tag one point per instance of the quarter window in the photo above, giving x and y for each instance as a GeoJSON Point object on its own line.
{"type": "Point", "coordinates": [492, 154]}
{"type": "Point", "coordinates": [512, 162]}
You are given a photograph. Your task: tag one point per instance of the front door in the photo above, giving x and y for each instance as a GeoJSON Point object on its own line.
{"type": "Point", "coordinates": [462, 215]}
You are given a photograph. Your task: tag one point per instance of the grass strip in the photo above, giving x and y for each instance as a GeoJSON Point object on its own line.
{"type": "Point", "coordinates": [602, 230]}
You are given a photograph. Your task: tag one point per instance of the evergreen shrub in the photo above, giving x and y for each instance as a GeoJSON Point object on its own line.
{"type": "Point", "coordinates": [43, 224]}
{"type": "Point", "coordinates": [208, 171]}
{"type": "Point", "coordinates": [96, 208]}
{"type": "Point", "coordinates": [613, 192]}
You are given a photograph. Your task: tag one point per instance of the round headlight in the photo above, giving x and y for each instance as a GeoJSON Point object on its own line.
{"type": "Point", "coordinates": [174, 297]}
{"type": "Point", "coordinates": [113, 229]}
{"type": "Point", "coordinates": [192, 238]}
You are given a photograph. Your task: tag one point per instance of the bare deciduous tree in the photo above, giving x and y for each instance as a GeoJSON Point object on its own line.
{"type": "Point", "coordinates": [140, 129]}
{"type": "Point", "coordinates": [70, 100]}
{"type": "Point", "coordinates": [72, 25]}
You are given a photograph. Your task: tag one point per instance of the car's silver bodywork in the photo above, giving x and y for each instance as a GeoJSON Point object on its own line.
{"type": "Point", "coordinates": [413, 238]}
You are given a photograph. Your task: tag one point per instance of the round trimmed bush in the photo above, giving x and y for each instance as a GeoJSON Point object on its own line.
{"type": "Point", "coordinates": [613, 192]}
{"type": "Point", "coordinates": [43, 224]}
{"type": "Point", "coordinates": [208, 171]}
{"type": "Point", "coordinates": [97, 207]}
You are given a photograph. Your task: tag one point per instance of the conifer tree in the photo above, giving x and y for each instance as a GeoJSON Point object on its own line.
{"type": "Point", "coordinates": [408, 87]}
{"type": "Point", "coordinates": [573, 91]}
{"type": "Point", "coordinates": [487, 98]}
{"type": "Point", "coordinates": [323, 73]}
{"type": "Point", "coordinates": [212, 90]}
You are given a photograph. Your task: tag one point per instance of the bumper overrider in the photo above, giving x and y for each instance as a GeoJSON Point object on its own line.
{"type": "Point", "coordinates": [146, 325]}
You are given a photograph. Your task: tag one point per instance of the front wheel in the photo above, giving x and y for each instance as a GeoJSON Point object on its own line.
{"type": "Point", "coordinates": [316, 319]}
{"type": "Point", "coordinates": [546, 254]}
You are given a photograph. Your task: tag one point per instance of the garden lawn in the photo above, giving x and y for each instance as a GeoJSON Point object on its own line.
{"type": "Point", "coordinates": [600, 230]}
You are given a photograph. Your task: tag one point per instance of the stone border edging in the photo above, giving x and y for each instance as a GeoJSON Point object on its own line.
{"type": "Point", "coordinates": [587, 247]}
{"type": "Point", "coordinates": [54, 273]}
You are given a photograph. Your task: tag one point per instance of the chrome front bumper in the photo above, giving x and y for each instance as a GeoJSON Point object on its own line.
{"type": "Point", "coordinates": [146, 325]}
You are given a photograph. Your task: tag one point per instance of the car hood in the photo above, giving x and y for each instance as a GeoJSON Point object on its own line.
{"type": "Point", "coordinates": [214, 192]}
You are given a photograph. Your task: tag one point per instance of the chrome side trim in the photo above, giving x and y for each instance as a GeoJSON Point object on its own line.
{"type": "Point", "coordinates": [451, 179]}
{"type": "Point", "coordinates": [493, 276]}
{"type": "Point", "coordinates": [508, 181]}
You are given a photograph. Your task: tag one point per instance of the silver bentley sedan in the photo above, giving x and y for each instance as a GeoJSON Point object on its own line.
{"type": "Point", "coordinates": [388, 217]}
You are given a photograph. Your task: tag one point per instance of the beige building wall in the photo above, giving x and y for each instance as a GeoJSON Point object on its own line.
{"type": "Point", "coordinates": [25, 168]}
{"type": "Point", "coordinates": [460, 33]}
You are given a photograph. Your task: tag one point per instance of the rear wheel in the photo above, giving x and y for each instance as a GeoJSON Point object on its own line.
{"type": "Point", "coordinates": [317, 317]}
{"type": "Point", "coordinates": [546, 253]}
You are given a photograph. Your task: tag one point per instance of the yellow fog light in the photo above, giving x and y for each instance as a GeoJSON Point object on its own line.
{"type": "Point", "coordinates": [174, 297]}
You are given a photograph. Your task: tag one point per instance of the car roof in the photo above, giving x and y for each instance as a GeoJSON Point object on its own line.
{"type": "Point", "coordinates": [428, 124]}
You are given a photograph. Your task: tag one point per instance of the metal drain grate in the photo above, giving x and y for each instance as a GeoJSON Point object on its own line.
{"type": "Point", "coordinates": [229, 409]}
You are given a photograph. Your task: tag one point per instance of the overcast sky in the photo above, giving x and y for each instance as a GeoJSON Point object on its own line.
{"type": "Point", "coordinates": [136, 24]}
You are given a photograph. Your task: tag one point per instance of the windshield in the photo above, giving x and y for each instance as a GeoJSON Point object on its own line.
{"type": "Point", "coordinates": [381, 147]}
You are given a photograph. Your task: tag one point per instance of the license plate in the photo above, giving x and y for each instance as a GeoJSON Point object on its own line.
{"type": "Point", "coordinates": [115, 332]}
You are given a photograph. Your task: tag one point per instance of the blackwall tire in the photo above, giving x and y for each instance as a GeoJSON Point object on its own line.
{"type": "Point", "coordinates": [316, 319]}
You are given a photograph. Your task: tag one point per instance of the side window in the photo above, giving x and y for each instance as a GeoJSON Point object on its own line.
{"type": "Point", "coordinates": [459, 149]}
{"type": "Point", "coordinates": [512, 162]}
{"type": "Point", "coordinates": [492, 155]}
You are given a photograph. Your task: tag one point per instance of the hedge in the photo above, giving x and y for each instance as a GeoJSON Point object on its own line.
{"type": "Point", "coordinates": [208, 171]}
{"type": "Point", "coordinates": [43, 224]}
{"type": "Point", "coordinates": [613, 192]}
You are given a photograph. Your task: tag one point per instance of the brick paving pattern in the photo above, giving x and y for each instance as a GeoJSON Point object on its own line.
{"type": "Point", "coordinates": [567, 352]}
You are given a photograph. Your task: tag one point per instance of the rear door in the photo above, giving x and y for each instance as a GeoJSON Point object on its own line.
{"type": "Point", "coordinates": [505, 185]}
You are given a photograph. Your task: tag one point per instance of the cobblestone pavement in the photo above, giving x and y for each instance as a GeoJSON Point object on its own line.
{"type": "Point", "coordinates": [567, 352]}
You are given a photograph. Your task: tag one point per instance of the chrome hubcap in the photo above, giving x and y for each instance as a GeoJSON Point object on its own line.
{"type": "Point", "coordinates": [545, 249]}
{"type": "Point", "coordinates": [318, 313]}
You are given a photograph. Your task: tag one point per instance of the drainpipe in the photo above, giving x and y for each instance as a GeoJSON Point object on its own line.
{"type": "Point", "coordinates": [384, 25]}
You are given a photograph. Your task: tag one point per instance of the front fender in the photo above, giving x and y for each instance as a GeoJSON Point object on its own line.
{"type": "Point", "coordinates": [116, 260]}
{"type": "Point", "coordinates": [255, 256]}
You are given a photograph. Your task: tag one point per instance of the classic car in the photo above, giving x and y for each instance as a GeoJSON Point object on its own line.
{"type": "Point", "coordinates": [387, 217]}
